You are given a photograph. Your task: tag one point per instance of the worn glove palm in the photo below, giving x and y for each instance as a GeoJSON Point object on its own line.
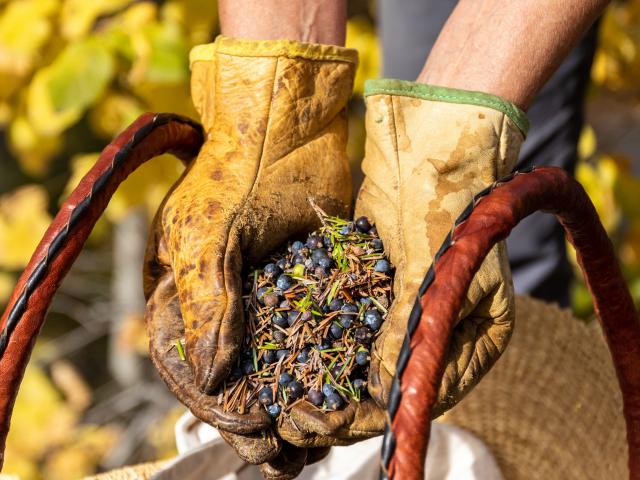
{"type": "Point", "coordinates": [275, 122]}
{"type": "Point", "coordinates": [429, 150]}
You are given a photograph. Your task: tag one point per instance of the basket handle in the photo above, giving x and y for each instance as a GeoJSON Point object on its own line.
{"type": "Point", "coordinates": [149, 136]}
{"type": "Point", "coordinates": [486, 221]}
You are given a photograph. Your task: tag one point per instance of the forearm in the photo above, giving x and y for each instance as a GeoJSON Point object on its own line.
{"type": "Point", "coordinates": [509, 49]}
{"type": "Point", "coordinates": [316, 21]}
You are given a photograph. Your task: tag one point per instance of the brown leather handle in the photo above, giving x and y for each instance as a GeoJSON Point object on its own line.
{"type": "Point", "coordinates": [149, 136]}
{"type": "Point", "coordinates": [488, 220]}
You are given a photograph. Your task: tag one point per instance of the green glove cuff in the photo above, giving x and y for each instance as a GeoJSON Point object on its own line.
{"type": "Point", "coordinates": [404, 88]}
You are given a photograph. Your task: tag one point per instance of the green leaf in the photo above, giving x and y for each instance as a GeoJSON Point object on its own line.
{"type": "Point", "coordinates": [61, 92]}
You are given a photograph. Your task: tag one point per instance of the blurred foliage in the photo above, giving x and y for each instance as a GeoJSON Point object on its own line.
{"type": "Point", "coordinates": [47, 440]}
{"type": "Point", "coordinates": [609, 177]}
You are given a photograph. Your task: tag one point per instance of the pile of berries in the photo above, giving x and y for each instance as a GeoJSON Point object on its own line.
{"type": "Point", "coordinates": [312, 314]}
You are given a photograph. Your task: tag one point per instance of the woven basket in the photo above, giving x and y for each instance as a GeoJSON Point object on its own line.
{"type": "Point", "coordinates": [142, 471]}
{"type": "Point", "coordinates": [551, 407]}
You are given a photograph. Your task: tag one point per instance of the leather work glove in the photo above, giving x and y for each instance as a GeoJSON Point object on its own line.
{"type": "Point", "coordinates": [429, 150]}
{"type": "Point", "coordinates": [275, 123]}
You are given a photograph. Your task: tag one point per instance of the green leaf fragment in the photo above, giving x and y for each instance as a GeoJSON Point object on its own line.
{"type": "Point", "coordinates": [180, 348]}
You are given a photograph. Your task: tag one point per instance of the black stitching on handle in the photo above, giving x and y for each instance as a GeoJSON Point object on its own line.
{"type": "Point", "coordinates": [36, 277]}
{"type": "Point", "coordinates": [389, 442]}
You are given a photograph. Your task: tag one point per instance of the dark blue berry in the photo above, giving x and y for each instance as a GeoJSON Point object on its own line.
{"type": "Point", "coordinates": [366, 301]}
{"type": "Point", "coordinates": [327, 242]}
{"type": "Point", "coordinates": [325, 345]}
{"type": "Point", "coordinates": [358, 384]}
{"type": "Point", "coordinates": [247, 367]}
{"type": "Point", "coordinates": [303, 356]}
{"type": "Point", "coordinates": [334, 401]}
{"type": "Point", "coordinates": [321, 272]}
{"type": "Point", "coordinates": [262, 291]}
{"type": "Point", "coordinates": [316, 397]}
{"type": "Point", "coordinates": [284, 282]}
{"type": "Point", "coordinates": [314, 241]}
{"type": "Point", "coordinates": [296, 246]}
{"type": "Point", "coordinates": [363, 224]}
{"type": "Point", "coordinates": [363, 335]}
{"type": "Point", "coordinates": [294, 390]}
{"type": "Point", "coordinates": [283, 352]}
{"type": "Point", "coordinates": [284, 378]}
{"type": "Point", "coordinates": [327, 389]}
{"type": "Point", "coordinates": [279, 336]}
{"type": "Point", "coordinates": [280, 320]}
{"type": "Point", "coordinates": [345, 320]}
{"type": "Point", "coordinates": [284, 304]}
{"type": "Point", "coordinates": [372, 319]}
{"type": "Point", "coordinates": [236, 373]}
{"type": "Point", "coordinates": [247, 286]}
{"type": "Point", "coordinates": [319, 254]}
{"type": "Point", "coordinates": [274, 410]}
{"type": "Point", "coordinates": [373, 231]}
{"type": "Point", "coordinates": [362, 357]}
{"type": "Point", "coordinates": [335, 372]}
{"type": "Point", "coordinates": [269, 356]}
{"type": "Point", "coordinates": [377, 245]}
{"type": "Point", "coordinates": [349, 308]}
{"type": "Point", "coordinates": [282, 264]}
{"type": "Point", "coordinates": [298, 259]}
{"type": "Point", "coordinates": [335, 330]}
{"type": "Point", "coordinates": [271, 270]}
{"type": "Point", "coordinates": [265, 397]}
{"type": "Point", "coordinates": [336, 304]}
{"type": "Point", "coordinates": [270, 299]}
{"type": "Point", "coordinates": [347, 229]}
{"type": "Point", "coordinates": [382, 266]}
{"type": "Point", "coordinates": [293, 316]}
{"type": "Point", "coordinates": [325, 262]}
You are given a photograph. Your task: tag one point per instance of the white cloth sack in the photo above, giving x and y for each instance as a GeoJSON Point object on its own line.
{"type": "Point", "coordinates": [454, 454]}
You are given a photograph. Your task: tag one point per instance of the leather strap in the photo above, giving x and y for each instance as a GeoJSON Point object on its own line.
{"type": "Point", "coordinates": [149, 136]}
{"type": "Point", "coordinates": [488, 220]}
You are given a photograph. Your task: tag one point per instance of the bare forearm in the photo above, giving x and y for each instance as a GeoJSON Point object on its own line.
{"type": "Point", "coordinates": [507, 48]}
{"type": "Point", "coordinates": [316, 21]}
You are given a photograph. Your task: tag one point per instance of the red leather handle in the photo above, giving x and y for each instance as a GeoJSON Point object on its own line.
{"type": "Point", "coordinates": [150, 135]}
{"type": "Point", "coordinates": [490, 219]}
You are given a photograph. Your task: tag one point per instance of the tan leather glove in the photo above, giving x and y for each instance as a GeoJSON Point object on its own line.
{"type": "Point", "coordinates": [429, 150]}
{"type": "Point", "coordinates": [274, 115]}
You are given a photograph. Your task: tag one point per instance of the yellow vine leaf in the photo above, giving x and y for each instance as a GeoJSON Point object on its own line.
{"type": "Point", "coordinates": [60, 93]}
{"type": "Point", "coordinates": [145, 187]}
{"type": "Point", "coordinates": [78, 16]}
{"type": "Point", "coordinates": [23, 221]}
{"type": "Point", "coordinates": [599, 181]}
{"type": "Point", "coordinates": [25, 26]}
{"type": "Point", "coordinates": [113, 113]}
{"type": "Point", "coordinates": [40, 422]}
{"type": "Point", "coordinates": [81, 455]}
{"type": "Point", "coordinates": [197, 17]}
{"type": "Point", "coordinates": [361, 35]}
{"type": "Point", "coordinates": [7, 282]}
{"type": "Point", "coordinates": [588, 143]}
{"type": "Point", "coordinates": [626, 188]}
{"type": "Point", "coordinates": [33, 151]}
